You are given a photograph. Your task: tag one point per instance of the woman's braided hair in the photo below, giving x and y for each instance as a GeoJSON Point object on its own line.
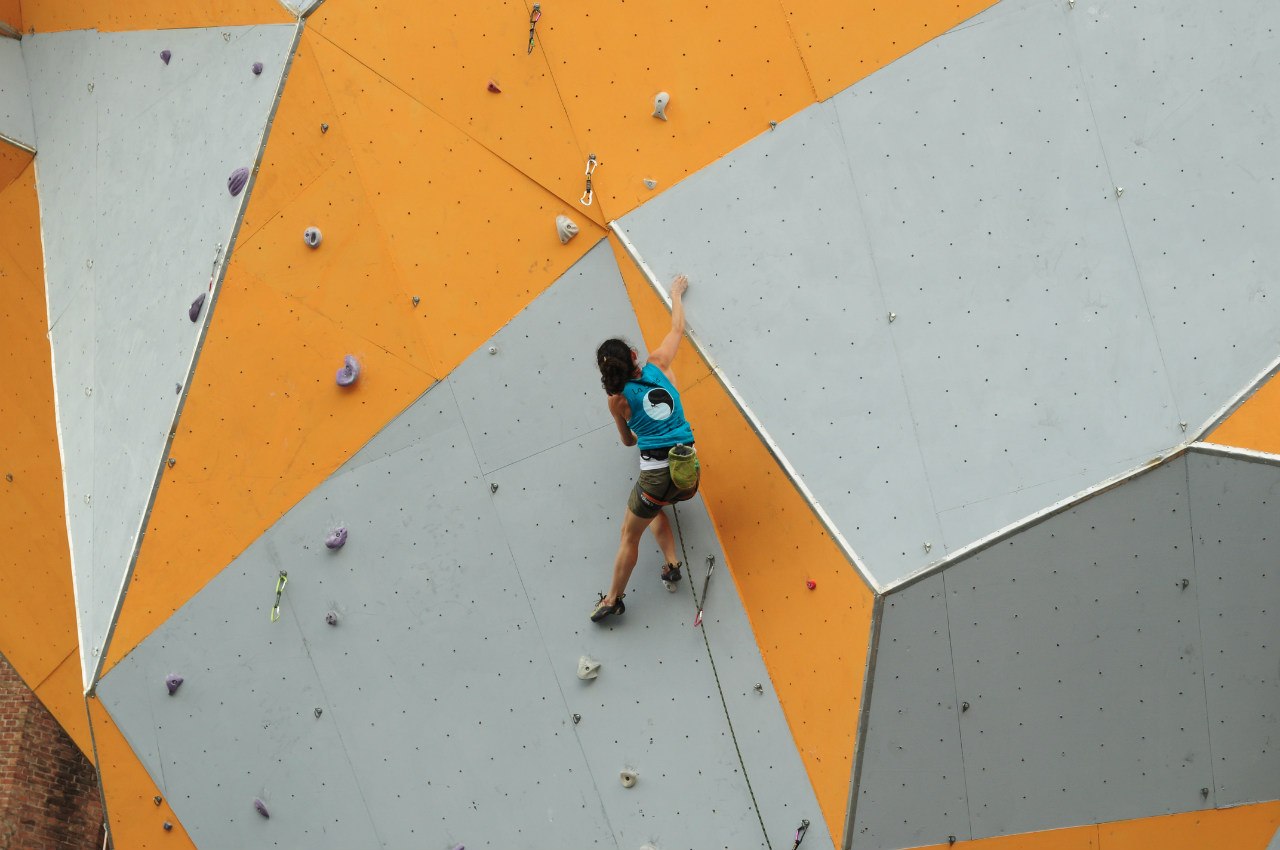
{"type": "Point", "coordinates": [616, 367]}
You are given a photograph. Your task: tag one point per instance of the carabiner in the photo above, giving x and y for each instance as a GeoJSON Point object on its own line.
{"type": "Point", "coordinates": [592, 164]}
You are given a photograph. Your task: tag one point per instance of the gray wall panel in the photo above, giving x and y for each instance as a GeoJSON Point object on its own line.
{"type": "Point", "coordinates": [545, 365]}
{"type": "Point", "coordinates": [133, 205]}
{"type": "Point", "coordinates": [1177, 88]}
{"type": "Point", "coordinates": [912, 791]}
{"type": "Point", "coordinates": [15, 101]}
{"type": "Point", "coordinates": [1235, 511]}
{"type": "Point", "coordinates": [785, 296]}
{"type": "Point", "coordinates": [1079, 653]}
{"type": "Point", "coordinates": [1021, 328]}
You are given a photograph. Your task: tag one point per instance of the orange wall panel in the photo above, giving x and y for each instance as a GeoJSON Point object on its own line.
{"type": "Point", "coordinates": [470, 234]}
{"type": "Point", "coordinates": [730, 69]}
{"type": "Point", "coordinates": [1255, 424]}
{"type": "Point", "coordinates": [134, 819]}
{"type": "Point", "coordinates": [814, 643]}
{"type": "Point", "coordinates": [11, 13]}
{"type": "Point", "coordinates": [13, 162]}
{"type": "Point", "coordinates": [445, 60]}
{"type": "Point", "coordinates": [62, 692]}
{"type": "Point", "coordinates": [843, 42]}
{"type": "Point", "coordinates": [37, 604]}
{"type": "Point", "coordinates": [116, 15]}
{"type": "Point", "coordinates": [1242, 828]}
{"type": "Point", "coordinates": [1074, 838]}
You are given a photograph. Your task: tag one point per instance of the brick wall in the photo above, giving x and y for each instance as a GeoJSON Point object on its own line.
{"type": "Point", "coordinates": [48, 790]}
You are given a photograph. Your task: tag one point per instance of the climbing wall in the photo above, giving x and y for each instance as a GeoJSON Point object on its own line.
{"type": "Point", "coordinates": [970, 280]}
{"type": "Point", "coordinates": [136, 216]}
{"type": "Point", "coordinates": [443, 701]}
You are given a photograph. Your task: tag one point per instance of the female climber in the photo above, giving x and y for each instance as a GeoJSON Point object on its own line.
{"type": "Point", "coordinates": [646, 408]}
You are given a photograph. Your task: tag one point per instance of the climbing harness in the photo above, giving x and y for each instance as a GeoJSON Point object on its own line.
{"type": "Point", "coordinates": [592, 164]}
{"type": "Point", "coordinates": [804, 827]}
{"type": "Point", "coordinates": [280, 583]}
{"type": "Point", "coordinates": [702, 598]}
{"type": "Point", "coordinates": [534, 17]}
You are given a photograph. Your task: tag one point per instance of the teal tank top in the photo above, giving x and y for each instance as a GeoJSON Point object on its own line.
{"type": "Point", "coordinates": [657, 417]}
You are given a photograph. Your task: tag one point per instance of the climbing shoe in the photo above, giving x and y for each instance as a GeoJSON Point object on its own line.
{"type": "Point", "coordinates": [604, 609]}
{"type": "Point", "coordinates": [671, 575]}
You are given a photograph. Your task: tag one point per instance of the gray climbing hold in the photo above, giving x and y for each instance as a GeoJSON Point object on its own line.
{"type": "Point", "coordinates": [349, 372]}
{"type": "Point", "coordinates": [257, 68]}
{"type": "Point", "coordinates": [261, 807]}
{"type": "Point", "coordinates": [416, 300]}
{"type": "Point", "coordinates": [194, 312]}
{"type": "Point", "coordinates": [773, 125]}
{"type": "Point", "coordinates": [660, 101]}
{"type": "Point", "coordinates": [319, 711]}
{"type": "Point", "coordinates": [462, 846]}
{"type": "Point", "coordinates": [313, 237]}
{"type": "Point", "coordinates": [588, 668]}
{"type": "Point", "coordinates": [165, 56]}
{"type": "Point", "coordinates": [629, 778]}
{"type": "Point", "coordinates": [177, 389]}
{"type": "Point", "coordinates": [336, 539]}
{"type": "Point", "coordinates": [173, 681]}
{"type": "Point", "coordinates": [324, 128]}
{"type": "Point", "coordinates": [565, 229]}
{"type": "Point", "coordinates": [650, 184]}
{"type": "Point", "coordinates": [331, 618]}
{"type": "Point", "coordinates": [237, 181]}
{"type": "Point", "coordinates": [168, 827]}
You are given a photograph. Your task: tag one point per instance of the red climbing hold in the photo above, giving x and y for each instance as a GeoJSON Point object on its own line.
{"type": "Point", "coordinates": [493, 87]}
{"type": "Point", "coordinates": [811, 584]}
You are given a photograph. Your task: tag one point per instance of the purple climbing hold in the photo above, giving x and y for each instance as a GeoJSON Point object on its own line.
{"type": "Point", "coordinates": [257, 68]}
{"type": "Point", "coordinates": [349, 372]}
{"type": "Point", "coordinates": [172, 681]}
{"type": "Point", "coordinates": [336, 539]}
{"type": "Point", "coordinates": [331, 618]}
{"type": "Point", "coordinates": [237, 180]}
{"type": "Point", "coordinates": [165, 56]}
{"type": "Point", "coordinates": [194, 313]}
{"type": "Point", "coordinates": [261, 807]}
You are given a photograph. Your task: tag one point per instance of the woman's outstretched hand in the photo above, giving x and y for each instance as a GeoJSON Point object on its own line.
{"type": "Point", "coordinates": [679, 285]}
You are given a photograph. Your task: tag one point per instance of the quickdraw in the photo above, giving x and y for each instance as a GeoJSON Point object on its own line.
{"type": "Point", "coordinates": [702, 600]}
{"type": "Point", "coordinates": [592, 165]}
{"type": "Point", "coordinates": [804, 827]}
{"type": "Point", "coordinates": [280, 583]}
{"type": "Point", "coordinates": [534, 17]}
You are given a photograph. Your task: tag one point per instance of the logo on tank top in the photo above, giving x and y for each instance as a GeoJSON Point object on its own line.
{"type": "Point", "coordinates": [658, 404]}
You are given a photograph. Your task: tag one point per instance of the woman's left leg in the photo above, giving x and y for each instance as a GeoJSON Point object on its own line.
{"type": "Point", "coordinates": [661, 529]}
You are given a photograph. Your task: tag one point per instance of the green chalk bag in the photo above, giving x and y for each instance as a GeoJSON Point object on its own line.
{"type": "Point", "coordinates": [683, 463]}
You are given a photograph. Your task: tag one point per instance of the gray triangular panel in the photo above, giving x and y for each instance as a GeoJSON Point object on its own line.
{"type": "Point", "coordinates": [132, 179]}
{"type": "Point", "coordinates": [15, 103]}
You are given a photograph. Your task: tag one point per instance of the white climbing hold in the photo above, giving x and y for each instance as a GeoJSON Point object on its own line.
{"type": "Point", "coordinates": [313, 237]}
{"type": "Point", "coordinates": [588, 668]}
{"type": "Point", "coordinates": [629, 778]}
{"type": "Point", "coordinates": [660, 101]}
{"type": "Point", "coordinates": [565, 229]}
{"type": "Point", "coordinates": [650, 183]}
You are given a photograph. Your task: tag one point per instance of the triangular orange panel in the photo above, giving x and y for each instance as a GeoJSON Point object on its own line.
{"type": "Point", "coordinates": [446, 58]}
{"type": "Point", "coordinates": [844, 42]}
{"type": "Point", "coordinates": [11, 13]}
{"type": "Point", "coordinates": [1255, 424]}
{"type": "Point", "coordinates": [37, 605]}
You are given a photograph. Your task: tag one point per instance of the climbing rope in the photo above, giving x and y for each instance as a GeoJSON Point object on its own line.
{"type": "Point", "coordinates": [280, 583]}
{"type": "Point", "coordinates": [592, 164]}
{"type": "Point", "coordinates": [534, 17]}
